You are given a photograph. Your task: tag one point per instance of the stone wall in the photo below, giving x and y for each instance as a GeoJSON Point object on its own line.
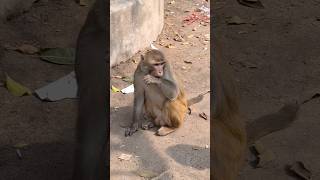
{"type": "Point", "coordinates": [134, 24]}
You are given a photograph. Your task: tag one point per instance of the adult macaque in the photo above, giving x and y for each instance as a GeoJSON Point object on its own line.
{"type": "Point", "coordinates": [159, 96]}
{"type": "Point", "coordinates": [230, 133]}
{"type": "Point", "coordinates": [91, 68]}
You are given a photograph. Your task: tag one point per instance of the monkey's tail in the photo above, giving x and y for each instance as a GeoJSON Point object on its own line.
{"type": "Point", "coordinates": [196, 99]}
{"type": "Point", "coordinates": [272, 122]}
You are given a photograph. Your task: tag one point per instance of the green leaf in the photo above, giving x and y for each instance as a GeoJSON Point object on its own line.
{"type": "Point", "coordinates": [15, 88]}
{"type": "Point", "coordinates": [65, 56]}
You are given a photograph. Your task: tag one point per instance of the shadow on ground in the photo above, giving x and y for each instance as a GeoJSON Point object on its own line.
{"type": "Point", "coordinates": [50, 161]}
{"type": "Point", "coordinates": [188, 155]}
{"type": "Point", "coordinates": [145, 156]}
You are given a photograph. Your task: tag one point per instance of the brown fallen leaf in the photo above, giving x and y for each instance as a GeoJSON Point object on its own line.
{"type": "Point", "coordinates": [188, 62]}
{"type": "Point", "coordinates": [262, 155]}
{"type": "Point", "coordinates": [299, 169]}
{"type": "Point", "coordinates": [235, 20]}
{"type": "Point", "coordinates": [146, 173]}
{"type": "Point", "coordinates": [125, 157]}
{"type": "Point", "coordinates": [27, 49]}
{"type": "Point", "coordinates": [252, 3]}
{"type": "Point", "coordinates": [170, 46]}
{"type": "Point", "coordinates": [203, 115]}
{"type": "Point", "coordinates": [195, 147]}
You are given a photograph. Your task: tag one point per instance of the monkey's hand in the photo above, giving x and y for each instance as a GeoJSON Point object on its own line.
{"type": "Point", "coordinates": [130, 130]}
{"type": "Point", "coordinates": [149, 79]}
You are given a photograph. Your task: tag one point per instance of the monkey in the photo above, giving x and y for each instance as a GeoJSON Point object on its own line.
{"type": "Point", "coordinates": [91, 67]}
{"type": "Point", "coordinates": [231, 135]}
{"type": "Point", "coordinates": [159, 96]}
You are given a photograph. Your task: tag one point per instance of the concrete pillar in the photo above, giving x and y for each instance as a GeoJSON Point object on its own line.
{"type": "Point", "coordinates": [134, 24]}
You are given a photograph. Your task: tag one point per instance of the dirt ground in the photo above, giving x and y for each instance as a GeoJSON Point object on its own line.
{"type": "Point", "coordinates": [183, 154]}
{"type": "Point", "coordinates": [275, 58]}
{"type": "Point", "coordinates": [46, 127]}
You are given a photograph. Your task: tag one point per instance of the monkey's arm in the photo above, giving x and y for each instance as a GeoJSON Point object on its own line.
{"type": "Point", "coordinates": [169, 89]}
{"type": "Point", "coordinates": [138, 104]}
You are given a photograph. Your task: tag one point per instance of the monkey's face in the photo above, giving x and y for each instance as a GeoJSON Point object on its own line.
{"type": "Point", "coordinates": [157, 69]}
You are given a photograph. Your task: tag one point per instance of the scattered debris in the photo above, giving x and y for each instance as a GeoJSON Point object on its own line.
{"type": "Point", "coordinates": [20, 145]}
{"type": "Point", "coordinates": [129, 89]}
{"type": "Point", "coordinates": [243, 32]}
{"type": "Point", "coordinates": [114, 89]}
{"type": "Point", "coordinates": [19, 154]}
{"type": "Point", "coordinates": [146, 173]}
{"type": "Point", "coordinates": [27, 49]}
{"type": "Point", "coordinates": [16, 88]}
{"type": "Point", "coordinates": [252, 3]}
{"type": "Point", "coordinates": [153, 47]}
{"type": "Point", "coordinates": [127, 79]}
{"type": "Point", "coordinates": [170, 46]}
{"type": "Point", "coordinates": [171, 2]}
{"type": "Point", "coordinates": [65, 87]}
{"type": "Point", "coordinates": [312, 94]}
{"type": "Point", "coordinates": [188, 62]}
{"type": "Point", "coordinates": [299, 169]}
{"type": "Point", "coordinates": [125, 157]}
{"type": "Point", "coordinates": [203, 115]}
{"type": "Point", "coordinates": [195, 147]}
{"type": "Point", "coordinates": [206, 146]}
{"type": "Point", "coordinates": [63, 56]}
{"type": "Point", "coordinates": [117, 77]}
{"type": "Point", "coordinates": [205, 10]}
{"type": "Point", "coordinates": [178, 38]}
{"type": "Point", "coordinates": [194, 17]}
{"type": "Point", "coordinates": [262, 156]}
{"type": "Point", "coordinates": [235, 20]}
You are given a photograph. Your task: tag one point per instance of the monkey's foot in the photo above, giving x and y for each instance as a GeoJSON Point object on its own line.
{"type": "Point", "coordinates": [130, 130]}
{"type": "Point", "coordinates": [163, 131]}
{"type": "Point", "coordinates": [148, 125]}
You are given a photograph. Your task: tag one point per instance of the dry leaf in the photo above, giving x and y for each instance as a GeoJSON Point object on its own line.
{"type": "Point", "coordinates": [185, 43]}
{"type": "Point", "coordinates": [27, 49]}
{"type": "Point", "coordinates": [170, 46]}
{"type": "Point", "coordinates": [16, 88]}
{"type": "Point", "coordinates": [114, 89]}
{"type": "Point", "coordinates": [300, 170]}
{"type": "Point", "coordinates": [195, 148]}
{"type": "Point", "coordinates": [20, 145]}
{"type": "Point", "coordinates": [203, 115]}
{"type": "Point", "coordinates": [235, 20]}
{"type": "Point", "coordinates": [190, 36]}
{"type": "Point", "coordinates": [146, 173]}
{"type": "Point", "coordinates": [178, 38]}
{"type": "Point", "coordinates": [125, 157]}
{"type": "Point", "coordinates": [188, 62]}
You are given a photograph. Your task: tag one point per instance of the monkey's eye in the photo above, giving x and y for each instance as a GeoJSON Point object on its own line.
{"type": "Point", "coordinates": [158, 64]}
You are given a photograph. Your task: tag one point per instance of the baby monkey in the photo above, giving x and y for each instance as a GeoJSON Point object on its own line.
{"type": "Point", "coordinates": [159, 97]}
